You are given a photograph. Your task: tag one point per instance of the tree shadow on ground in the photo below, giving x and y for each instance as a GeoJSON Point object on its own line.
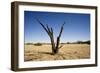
{"type": "Point", "coordinates": [46, 53]}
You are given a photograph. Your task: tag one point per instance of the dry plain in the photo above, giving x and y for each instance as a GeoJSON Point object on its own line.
{"type": "Point", "coordinates": [67, 52]}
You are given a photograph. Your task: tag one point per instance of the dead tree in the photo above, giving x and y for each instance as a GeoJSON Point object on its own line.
{"type": "Point", "coordinates": [55, 47]}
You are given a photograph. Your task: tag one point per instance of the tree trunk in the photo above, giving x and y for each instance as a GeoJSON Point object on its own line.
{"type": "Point", "coordinates": [55, 47]}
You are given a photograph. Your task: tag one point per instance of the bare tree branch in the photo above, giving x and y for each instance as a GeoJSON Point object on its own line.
{"type": "Point", "coordinates": [48, 28]}
{"type": "Point", "coordinates": [60, 46]}
{"type": "Point", "coordinates": [42, 26]}
{"type": "Point", "coordinates": [61, 29]}
{"type": "Point", "coordinates": [55, 47]}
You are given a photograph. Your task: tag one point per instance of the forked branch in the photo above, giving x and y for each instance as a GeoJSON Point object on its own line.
{"type": "Point", "coordinates": [55, 48]}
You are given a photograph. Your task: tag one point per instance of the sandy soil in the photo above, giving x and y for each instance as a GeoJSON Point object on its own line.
{"type": "Point", "coordinates": [67, 52]}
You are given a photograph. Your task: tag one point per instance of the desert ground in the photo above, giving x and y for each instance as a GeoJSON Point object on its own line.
{"type": "Point", "coordinates": [67, 52]}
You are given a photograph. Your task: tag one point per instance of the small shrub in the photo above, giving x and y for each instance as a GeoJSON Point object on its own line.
{"type": "Point", "coordinates": [28, 43]}
{"type": "Point", "coordinates": [83, 42]}
{"type": "Point", "coordinates": [68, 43]}
{"type": "Point", "coordinates": [38, 44]}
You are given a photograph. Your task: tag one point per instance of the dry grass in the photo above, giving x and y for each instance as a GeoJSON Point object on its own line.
{"type": "Point", "coordinates": [67, 52]}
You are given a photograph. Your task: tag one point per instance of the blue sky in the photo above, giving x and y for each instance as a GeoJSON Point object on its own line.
{"type": "Point", "coordinates": [77, 27]}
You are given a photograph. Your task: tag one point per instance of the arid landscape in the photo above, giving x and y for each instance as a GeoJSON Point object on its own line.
{"type": "Point", "coordinates": [67, 52]}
